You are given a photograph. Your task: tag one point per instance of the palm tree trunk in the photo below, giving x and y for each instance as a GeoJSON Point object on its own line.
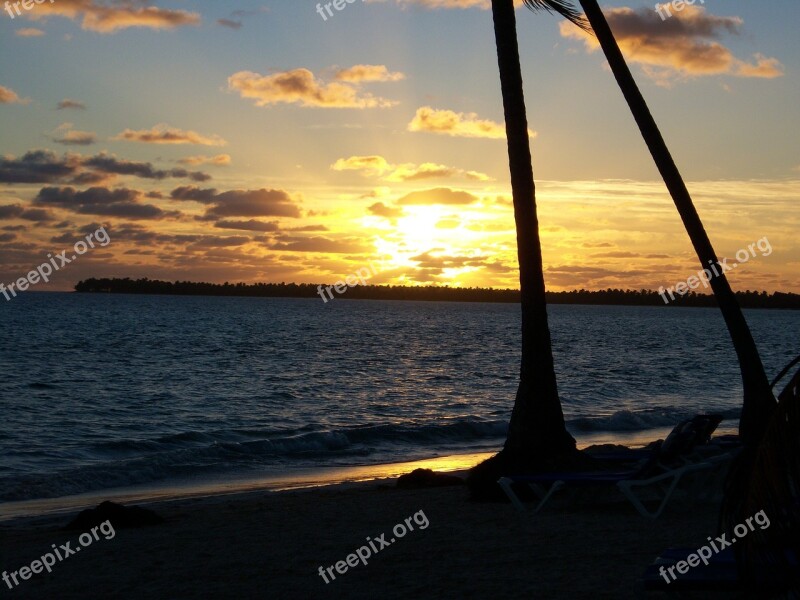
{"type": "Point", "coordinates": [758, 398]}
{"type": "Point", "coordinates": [537, 421]}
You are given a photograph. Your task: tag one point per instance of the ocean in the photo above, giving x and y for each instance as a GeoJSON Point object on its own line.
{"type": "Point", "coordinates": [112, 391]}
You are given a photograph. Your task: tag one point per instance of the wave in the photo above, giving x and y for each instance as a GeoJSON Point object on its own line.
{"type": "Point", "coordinates": [184, 455]}
{"type": "Point", "coordinates": [627, 420]}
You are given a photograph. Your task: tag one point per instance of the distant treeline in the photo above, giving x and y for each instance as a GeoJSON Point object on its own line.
{"type": "Point", "coordinates": [747, 299]}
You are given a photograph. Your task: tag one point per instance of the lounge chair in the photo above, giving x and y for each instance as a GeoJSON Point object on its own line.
{"type": "Point", "coordinates": [662, 470]}
{"type": "Point", "coordinates": [688, 442]}
{"type": "Point", "coordinates": [628, 482]}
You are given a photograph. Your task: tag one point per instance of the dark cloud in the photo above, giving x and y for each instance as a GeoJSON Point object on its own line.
{"type": "Point", "coordinates": [43, 166]}
{"type": "Point", "coordinates": [110, 164]}
{"type": "Point", "coordinates": [240, 203]}
{"type": "Point", "coordinates": [250, 225]}
{"type": "Point", "coordinates": [17, 211]}
{"type": "Point", "coordinates": [308, 228]}
{"type": "Point", "coordinates": [101, 201]}
{"type": "Point", "coordinates": [426, 260]}
{"type": "Point", "coordinates": [9, 211]}
{"type": "Point", "coordinates": [67, 103]}
{"type": "Point", "coordinates": [38, 166]}
{"type": "Point", "coordinates": [230, 24]}
{"type": "Point", "coordinates": [320, 244]}
{"type": "Point", "coordinates": [212, 241]}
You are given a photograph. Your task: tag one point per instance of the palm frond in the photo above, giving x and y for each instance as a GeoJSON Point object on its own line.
{"type": "Point", "coordinates": [563, 8]}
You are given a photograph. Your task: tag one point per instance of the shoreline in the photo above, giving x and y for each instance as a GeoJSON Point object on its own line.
{"type": "Point", "coordinates": [303, 478]}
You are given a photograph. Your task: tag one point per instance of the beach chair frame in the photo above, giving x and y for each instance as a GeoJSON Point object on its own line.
{"type": "Point", "coordinates": [627, 483]}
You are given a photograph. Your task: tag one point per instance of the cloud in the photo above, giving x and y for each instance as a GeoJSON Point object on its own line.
{"type": "Point", "coordinates": [29, 32]}
{"type": "Point", "coordinates": [17, 211]}
{"type": "Point", "coordinates": [9, 96]}
{"type": "Point", "coordinates": [106, 163]}
{"type": "Point", "coordinates": [300, 86]}
{"type": "Point", "coordinates": [412, 172]}
{"type": "Point", "coordinates": [68, 103]}
{"type": "Point", "coordinates": [379, 209]}
{"type": "Point", "coordinates": [240, 203]}
{"type": "Point", "coordinates": [680, 47]}
{"type": "Point", "coordinates": [370, 164]}
{"type": "Point", "coordinates": [250, 225]}
{"type": "Point", "coordinates": [351, 245]}
{"type": "Point", "coordinates": [43, 166]}
{"type": "Point", "coordinates": [164, 134]}
{"type": "Point", "coordinates": [64, 134]}
{"type": "Point", "coordinates": [101, 201]}
{"type": "Point", "coordinates": [618, 254]}
{"type": "Point", "coordinates": [434, 4]}
{"type": "Point", "coordinates": [363, 73]}
{"type": "Point", "coordinates": [213, 241]}
{"type": "Point", "coordinates": [219, 159]}
{"type": "Point", "coordinates": [229, 23]}
{"type": "Point", "coordinates": [38, 166]}
{"type": "Point", "coordinates": [448, 122]}
{"type": "Point", "coordinates": [437, 196]}
{"type": "Point", "coordinates": [109, 19]}
{"type": "Point", "coordinates": [427, 260]}
{"type": "Point", "coordinates": [378, 166]}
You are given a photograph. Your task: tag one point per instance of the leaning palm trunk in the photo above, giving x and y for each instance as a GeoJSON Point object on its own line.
{"type": "Point", "coordinates": [537, 421]}
{"type": "Point", "coordinates": [758, 399]}
{"type": "Point", "coordinates": [767, 479]}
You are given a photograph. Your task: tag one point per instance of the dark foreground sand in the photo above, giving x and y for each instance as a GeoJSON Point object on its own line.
{"type": "Point", "coordinates": [270, 545]}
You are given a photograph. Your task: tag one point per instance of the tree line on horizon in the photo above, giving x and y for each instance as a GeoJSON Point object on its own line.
{"type": "Point", "coordinates": [627, 297]}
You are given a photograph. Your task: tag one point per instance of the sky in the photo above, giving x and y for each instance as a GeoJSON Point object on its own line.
{"type": "Point", "coordinates": [274, 142]}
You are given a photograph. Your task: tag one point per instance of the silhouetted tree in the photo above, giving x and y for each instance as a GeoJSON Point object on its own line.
{"type": "Point", "coordinates": [758, 401]}
{"type": "Point", "coordinates": [537, 435]}
{"type": "Point", "coordinates": [537, 421]}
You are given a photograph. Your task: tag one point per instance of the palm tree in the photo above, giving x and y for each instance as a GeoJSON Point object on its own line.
{"type": "Point", "coordinates": [537, 421]}
{"type": "Point", "coordinates": [537, 435]}
{"type": "Point", "coordinates": [758, 401]}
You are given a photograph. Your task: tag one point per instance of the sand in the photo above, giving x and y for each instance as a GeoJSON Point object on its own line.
{"type": "Point", "coordinates": [271, 544]}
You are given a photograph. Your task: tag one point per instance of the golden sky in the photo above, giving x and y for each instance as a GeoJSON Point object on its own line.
{"type": "Point", "coordinates": [272, 142]}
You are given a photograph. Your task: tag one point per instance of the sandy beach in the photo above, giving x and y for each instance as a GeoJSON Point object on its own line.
{"type": "Point", "coordinates": [271, 545]}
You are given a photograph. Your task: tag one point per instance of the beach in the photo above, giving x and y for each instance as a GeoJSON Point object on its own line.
{"type": "Point", "coordinates": [272, 544]}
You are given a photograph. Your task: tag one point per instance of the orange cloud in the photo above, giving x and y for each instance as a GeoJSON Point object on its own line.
{"type": "Point", "coordinates": [29, 32]}
{"type": "Point", "coordinates": [448, 122]}
{"type": "Point", "coordinates": [108, 19]}
{"type": "Point", "coordinates": [435, 4]}
{"type": "Point", "coordinates": [378, 165]}
{"type": "Point", "coordinates": [9, 96]}
{"type": "Point", "coordinates": [679, 47]}
{"type": "Point", "coordinates": [219, 159]}
{"type": "Point", "coordinates": [164, 134]}
{"type": "Point", "coordinates": [300, 86]}
{"type": "Point", "coordinates": [437, 196]}
{"type": "Point", "coordinates": [359, 73]}
{"type": "Point", "coordinates": [379, 209]}
{"type": "Point", "coordinates": [371, 164]}
{"type": "Point", "coordinates": [66, 135]}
